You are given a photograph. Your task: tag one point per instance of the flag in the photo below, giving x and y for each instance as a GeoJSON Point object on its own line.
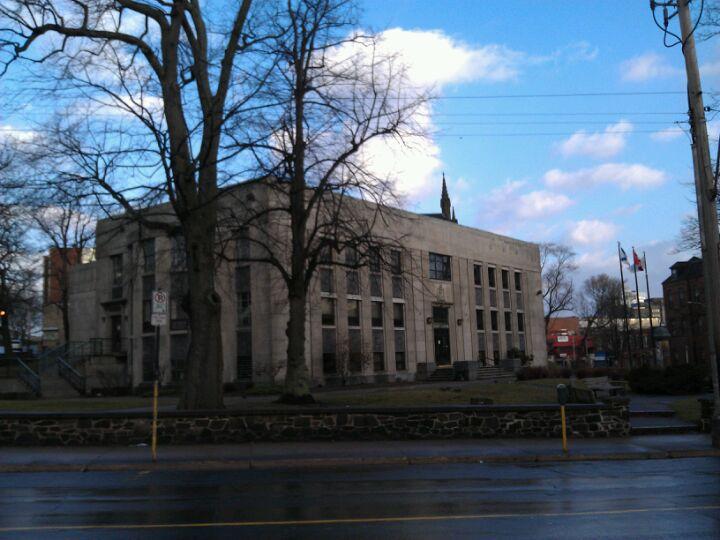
{"type": "Point", "coordinates": [637, 262]}
{"type": "Point", "coordinates": [623, 256]}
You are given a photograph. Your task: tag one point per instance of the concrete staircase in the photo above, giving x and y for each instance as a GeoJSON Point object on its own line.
{"type": "Point", "coordinates": [55, 387]}
{"type": "Point", "coordinates": [442, 374]}
{"type": "Point", "coordinates": [495, 374]}
{"type": "Point", "coordinates": [658, 422]}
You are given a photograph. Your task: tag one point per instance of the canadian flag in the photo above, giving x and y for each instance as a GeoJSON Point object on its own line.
{"type": "Point", "coordinates": [637, 262]}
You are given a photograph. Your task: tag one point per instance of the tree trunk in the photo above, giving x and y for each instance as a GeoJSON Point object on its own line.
{"type": "Point", "coordinates": [203, 372]}
{"type": "Point", "coordinates": [5, 337]}
{"type": "Point", "coordinates": [297, 383]}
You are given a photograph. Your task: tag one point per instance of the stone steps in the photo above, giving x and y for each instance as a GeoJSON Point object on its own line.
{"type": "Point", "coordinates": [670, 429]}
{"type": "Point", "coordinates": [52, 386]}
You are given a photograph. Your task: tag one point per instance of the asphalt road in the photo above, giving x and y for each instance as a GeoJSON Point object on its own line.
{"type": "Point", "coordinates": [627, 499]}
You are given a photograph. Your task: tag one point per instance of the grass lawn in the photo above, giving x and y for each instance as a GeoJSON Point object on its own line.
{"type": "Point", "coordinates": [687, 409]}
{"type": "Point", "coordinates": [536, 391]}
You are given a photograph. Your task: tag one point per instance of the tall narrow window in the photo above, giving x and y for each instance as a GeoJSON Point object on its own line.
{"type": "Point", "coordinates": [148, 358]}
{"type": "Point", "coordinates": [395, 262]}
{"type": "Point", "coordinates": [242, 290]}
{"type": "Point", "coordinates": [148, 248]}
{"type": "Point", "coordinates": [477, 274]}
{"type": "Point", "coordinates": [352, 282]}
{"type": "Point", "coordinates": [179, 344]}
{"type": "Point", "coordinates": [376, 314]}
{"type": "Point", "coordinates": [491, 277]}
{"type": "Point", "coordinates": [327, 281]}
{"type": "Point", "coordinates": [328, 311]}
{"type": "Point", "coordinates": [329, 351]}
{"type": "Point", "coordinates": [376, 285]}
{"type": "Point", "coordinates": [353, 312]}
{"type": "Point", "coordinates": [400, 361]}
{"type": "Point", "coordinates": [482, 353]}
{"type": "Point", "coordinates": [520, 322]}
{"type": "Point", "coordinates": [397, 287]}
{"type": "Point", "coordinates": [117, 275]}
{"type": "Point", "coordinates": [399, 315]}
{"type": "Point", "coordinates": [242, 244]}
{"type": "Point", "coordinates": [178, 253]}
{"type": "Point", "coordinates": [505, 279]}
{"type": "Point", "coordinates": [355, 350]}
{"type": "Point", "coordinates": [480, 318]}
{"type": "Point", "coordinates": [378, 343]}
{"type": "Point", "coordinates": [494, 321]}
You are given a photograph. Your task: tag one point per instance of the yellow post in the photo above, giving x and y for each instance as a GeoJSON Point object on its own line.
{"type": "Point", "coordinates": [564, 428]}
{"type": "Point", "coordinates": [154, 421]}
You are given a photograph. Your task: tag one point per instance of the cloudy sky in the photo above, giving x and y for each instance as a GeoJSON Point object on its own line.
{"type": "Point", "coordinates": [587, 170]}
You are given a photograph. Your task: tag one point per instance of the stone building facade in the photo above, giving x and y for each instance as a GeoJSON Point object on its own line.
{"type": "Point", "coordinates": [445, 295]}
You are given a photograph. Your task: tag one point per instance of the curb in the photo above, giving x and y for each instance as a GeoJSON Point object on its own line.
{"type": "Point", "coordinates": [330, 463]}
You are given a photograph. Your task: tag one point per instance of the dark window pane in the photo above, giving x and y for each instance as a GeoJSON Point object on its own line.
{"type": "Point", "coordinates": [480, 316]}
{"type": "Point", "coordinates": [148, 247]}
{"type": "Point", "coordinates": [440, 315]}
{"type": "Point", "coordinates": [518, 281]}
{"type": "Point", "coordinates": [505, 279]}
{"type": "Point", "coordinates": [491, 277]}
{"type": "Point", "coordinates": [355, 350]}
{"type": "Point", "coordinates": [328, 311]}
{"type": "Point", "coordinates": [326, 280]}
{"type": "Point", "coordinates": [477, 274]}
{"type": "Point", "coordinates": [520, 322]}
{"type": "Point", "coordinates": [376, 285]}
{"type": "Point", "coordinates": [440, 267]}
{"type": "Point", "coordinates": [352, 278]}
{"type": "Point", "coordinates": [179, 345]}
{"type": "Point", "coordinates": [400, 363]}
{"type": "Point", "coordinates": [395, 262]}
{"type": "Point", "coordinates": [375, 258]}
{"type": "Point", "coordinates": [508, 321]}
{"type": "Point", "coordinates": [329, 351]}
{"type": "Point", "coordinates": [376, 314]}
{"type": "Point", "coordinates": [353, 309]}
{"type": "Point", "coordinates": [244, 355]}
{"type": "Point", "coordinates": [351, 257]}
{"type": "Point", "coordinates": [399, 315]}
{"type": "Point", "coordinates": [478, 296]}
{"type": "Point", "coordinates": [148, 358]}
{"type": "Point", "coordinates": [493, 321]}
{"type": "Point", "coordinates": [178, 291]}
{"type": "Point", "coordinates": [397, 287]}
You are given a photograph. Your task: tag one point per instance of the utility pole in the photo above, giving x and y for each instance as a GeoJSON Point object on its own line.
{"type": "Point", "coordinates": [705, 189]}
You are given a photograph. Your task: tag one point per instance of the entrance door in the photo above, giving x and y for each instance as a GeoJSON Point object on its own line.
{"type": "Point", "coordinates": [442, 346]}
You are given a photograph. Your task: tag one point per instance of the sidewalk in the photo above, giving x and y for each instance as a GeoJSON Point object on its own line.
{"type": "Point", "coordinates": [348, 454]}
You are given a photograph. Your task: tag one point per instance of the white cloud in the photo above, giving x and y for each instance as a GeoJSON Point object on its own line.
{"type": "Point", "coordinates": [433, 58]}
{"type": "Point", "coordinates": [646, 67]}
{"type": "Point", "coordinates": [628, 210]}
{"type": "Point", "coordinates": [510, 202]}
{"type": "Point", "coordinates": [592, 231]}
{"type": "Point", "coordinates": [599, 144]}
{"type": "Point", "coordinates": [541, 203]}
{"type": "Point", "coordinates": [625, 175]}
{"type": "Point", "coordinates": [580, 51]}
{"type": "Point", "coordinates": [667, 134]}
{"type": "Point", "coordinates": [12, 133]}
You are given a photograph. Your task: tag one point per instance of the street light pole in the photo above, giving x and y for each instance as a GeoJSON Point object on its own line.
{"type": "Point", "coordinates": [705, 188]}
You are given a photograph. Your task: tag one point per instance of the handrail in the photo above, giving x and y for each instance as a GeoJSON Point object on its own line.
{"type": "Point", "coordinates": [29, 377]}
{"type": "Point", "coordinates": [71, 375]}
{"type": "Point", "coordinates": [49, 358]}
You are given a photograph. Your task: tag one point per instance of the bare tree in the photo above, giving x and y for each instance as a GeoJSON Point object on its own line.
{"type": "Point", "coordinates": [599, 303]}
{"type": "Point", "coordinates": [169, 77]}
{"type": "Point", "coordinates": [69, 229]}
{"type": "Point", "coordinates": [334, 93]}
{"type": "Point", "coordinates": [557, 263]}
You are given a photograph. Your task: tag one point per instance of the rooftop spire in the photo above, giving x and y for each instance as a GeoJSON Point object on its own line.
{"type": "Point", "coordinates": [445, 200]}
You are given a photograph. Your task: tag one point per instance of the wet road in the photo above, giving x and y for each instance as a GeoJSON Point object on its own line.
{"type": "Point", "coordinates": [621, 499]}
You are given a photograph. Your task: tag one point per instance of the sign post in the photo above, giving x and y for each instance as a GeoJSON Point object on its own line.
{"type": "Point", "coordinates": [563, 395]}
{"type": "Point", "coordinates": [158, 318]}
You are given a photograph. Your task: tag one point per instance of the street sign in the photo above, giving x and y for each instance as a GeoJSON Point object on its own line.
{"type": "Point", "coordinates": [158, 316]}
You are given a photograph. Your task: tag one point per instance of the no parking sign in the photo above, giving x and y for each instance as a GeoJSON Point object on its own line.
{"type": "Point", "coordinates": [158, 316]}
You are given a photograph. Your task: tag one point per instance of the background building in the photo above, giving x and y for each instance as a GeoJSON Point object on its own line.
{"type": "Point", "coordinates": [684, 293]}
{"type": "Point", "coordinates": [445, 294]}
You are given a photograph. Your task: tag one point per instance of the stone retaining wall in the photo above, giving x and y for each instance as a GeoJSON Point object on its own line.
{"type": "Point", "coordinates": [447, 422]}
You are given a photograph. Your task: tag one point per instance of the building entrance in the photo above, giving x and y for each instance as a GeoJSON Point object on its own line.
{"type": "Point", "coordinates": [441, 335]}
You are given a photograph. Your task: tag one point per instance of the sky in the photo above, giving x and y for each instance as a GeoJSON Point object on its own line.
{"type": "Point", "coordinates": [528, 147]}
{"type": "Point", "coordinates": [586, 171]}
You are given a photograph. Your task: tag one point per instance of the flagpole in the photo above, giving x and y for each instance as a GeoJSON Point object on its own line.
{"type": "Point", "coordinates": [625, 319]}
{"type": "Point", "coordinates": [650, 313]}
{"type": "Point", "coordinates": [637, 296]}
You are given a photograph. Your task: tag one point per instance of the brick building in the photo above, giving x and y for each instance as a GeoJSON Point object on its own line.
{"type": "Point", "coordinates": [684, 295]}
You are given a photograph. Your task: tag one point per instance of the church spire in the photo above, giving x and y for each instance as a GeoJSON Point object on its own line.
{"type": "Point", "coordinates": [445, 201]}
{"type": "Point", "coordinates": [454, 219]}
